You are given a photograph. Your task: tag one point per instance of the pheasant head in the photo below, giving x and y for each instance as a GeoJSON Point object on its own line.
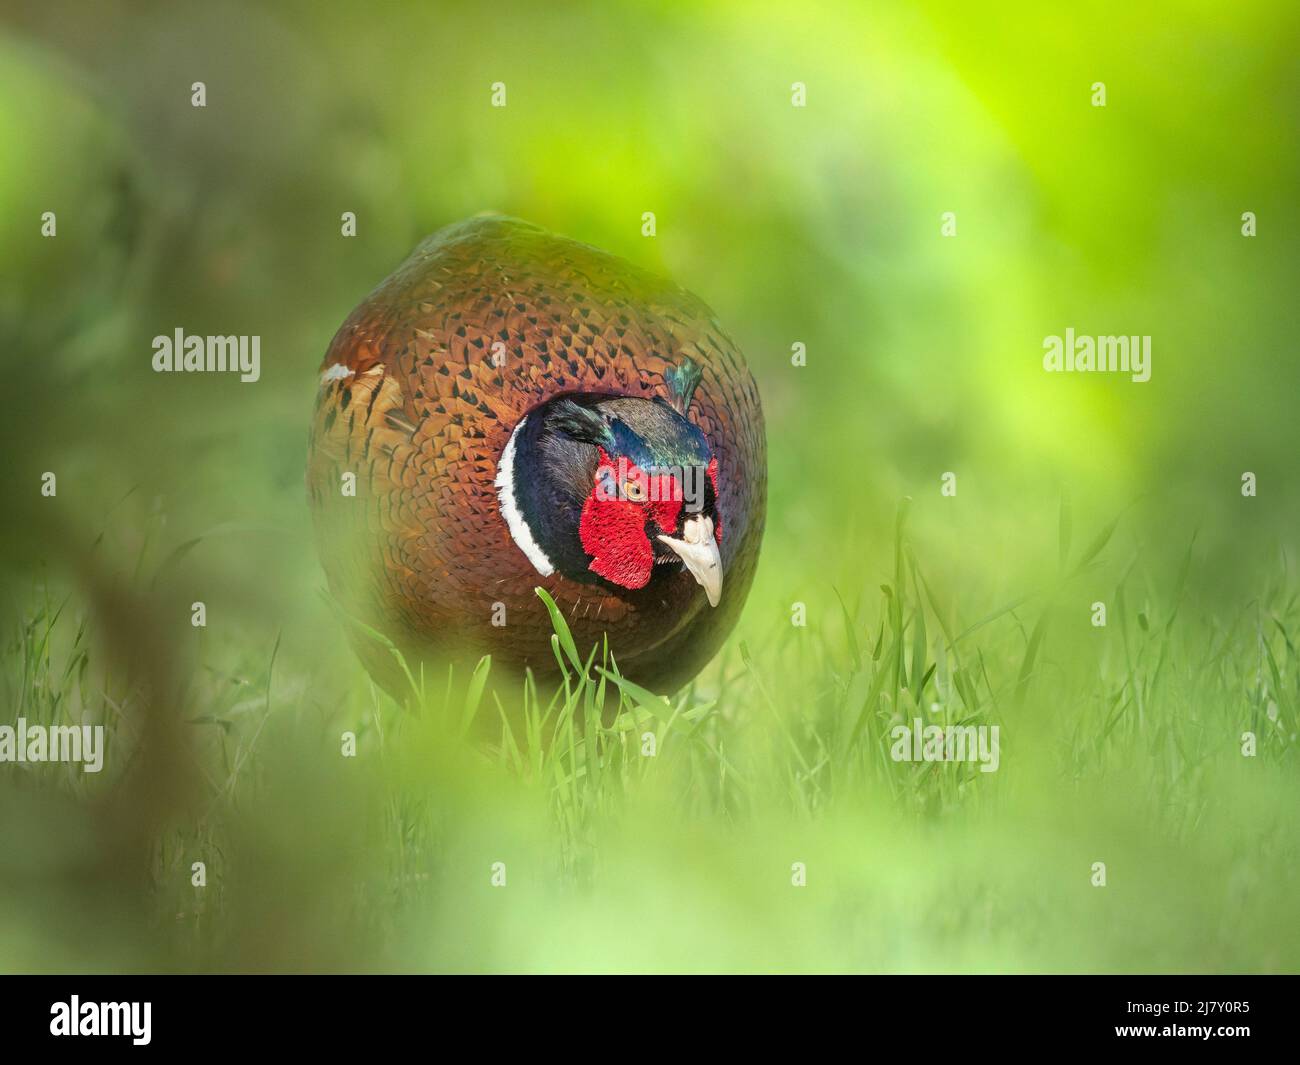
{"type": "Point", "coordinates": [612, 491]}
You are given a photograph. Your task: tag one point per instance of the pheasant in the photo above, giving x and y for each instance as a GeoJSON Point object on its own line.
{"type": "Point", "coordinates": [512, 410]}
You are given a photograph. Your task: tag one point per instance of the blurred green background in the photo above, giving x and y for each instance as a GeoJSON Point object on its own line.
{"type": "Point", "coordinates": [818, 225]}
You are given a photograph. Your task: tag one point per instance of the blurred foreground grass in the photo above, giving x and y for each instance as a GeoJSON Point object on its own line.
{"type": "Point", "coordinates": [1120, 745]}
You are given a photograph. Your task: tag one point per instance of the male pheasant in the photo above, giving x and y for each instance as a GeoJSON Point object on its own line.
{"type": "Point", "coordinates": [511, 409]}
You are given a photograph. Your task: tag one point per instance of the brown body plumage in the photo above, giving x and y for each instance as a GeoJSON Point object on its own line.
{"type": "Point", "coordinates": [420, 391]}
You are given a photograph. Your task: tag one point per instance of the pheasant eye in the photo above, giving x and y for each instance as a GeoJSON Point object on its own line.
{"type": "Point", "coordinates": [635, 491]}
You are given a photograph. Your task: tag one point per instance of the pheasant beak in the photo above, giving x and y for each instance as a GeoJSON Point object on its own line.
{"type": "Point", "coordinates": [699, 550]}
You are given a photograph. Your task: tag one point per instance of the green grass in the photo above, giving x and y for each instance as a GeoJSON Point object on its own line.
{"type": "Point", "coordinates": [1120, 745]}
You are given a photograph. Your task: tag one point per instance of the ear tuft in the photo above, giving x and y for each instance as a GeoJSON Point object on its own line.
{"type": "Point", "coordinates": [580, 423]}
{"type": "Point", "coordinates": [681, 381]}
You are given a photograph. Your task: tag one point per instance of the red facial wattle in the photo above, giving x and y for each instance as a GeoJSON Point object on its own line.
{"type": "Point", "coordinates": [613, 527]}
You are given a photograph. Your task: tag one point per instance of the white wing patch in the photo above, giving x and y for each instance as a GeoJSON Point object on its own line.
{"type": "Point", "coordinates": [335, 373]}
{"type": "Point", "coordinates": [519, 531]}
